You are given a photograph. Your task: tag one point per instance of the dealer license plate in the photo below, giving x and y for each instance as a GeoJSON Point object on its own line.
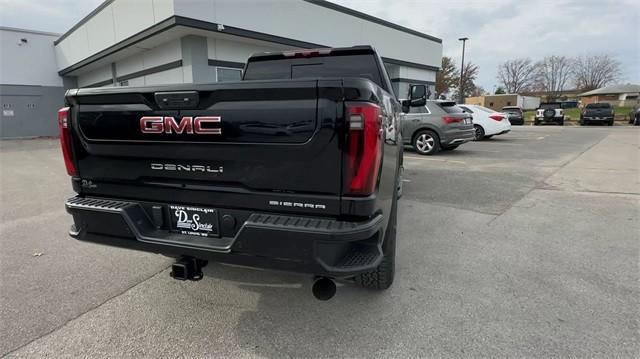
{"type": "Point", "coordinates": [194, 221]}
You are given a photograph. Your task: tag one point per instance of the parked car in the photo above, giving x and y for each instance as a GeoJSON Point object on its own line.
{"type": "Point", "coordinates": [515, 113]}
{"type": "Point", "coordinates": [175, 169]}
{"type": "Point", "coordinates": [437, 125]}
{"type": "Point", "coordinates": [634, 115]}
{"type": "Point", "coordinates": [601, 112]}
{"type": "Point", "coordinates": [487, 122]}
{"type": "Point", "coordinates": [549, 112]}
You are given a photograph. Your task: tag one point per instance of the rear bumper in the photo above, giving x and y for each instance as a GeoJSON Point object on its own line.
{"type": "Point", "coordinates": [516, 120]}
{"type": "Point", "coordinates": [597, 119]}
{"type": "Point", "coordinates": [315, 246]}
{"type": "Point", "coordinates": [458, 137]}
{"type": "Point", "coordinates": [550, 119]}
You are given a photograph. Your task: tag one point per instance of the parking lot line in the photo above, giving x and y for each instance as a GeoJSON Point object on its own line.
{"type": "Point", "coordinates": [436, 159]}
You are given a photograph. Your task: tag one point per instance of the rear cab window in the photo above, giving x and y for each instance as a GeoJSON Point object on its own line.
{"type": "Point", "coordinates": [351, 63]}
{"type": "Point", "coordinates": [599, 105]}
{"type": "Point", "coordinates": [516, 111]}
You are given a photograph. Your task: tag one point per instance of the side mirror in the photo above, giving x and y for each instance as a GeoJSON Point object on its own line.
{"type": "Point", "coordinates": [418, 95]}
{"type": "Point", "coordinates": [406, 104]}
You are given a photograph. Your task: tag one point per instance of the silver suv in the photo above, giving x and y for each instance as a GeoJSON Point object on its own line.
{"type": "Point", "coordinates": [435, 126]}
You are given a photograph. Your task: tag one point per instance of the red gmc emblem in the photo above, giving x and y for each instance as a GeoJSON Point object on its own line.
{"type": "Point", "coordinates": [200, 125]}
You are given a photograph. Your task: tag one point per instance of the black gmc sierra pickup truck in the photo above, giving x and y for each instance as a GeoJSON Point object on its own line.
{"type": "Point", "coordinates": [294, 168]}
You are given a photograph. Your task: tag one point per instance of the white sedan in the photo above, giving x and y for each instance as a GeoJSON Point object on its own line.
{"type": "Point", "coordinates": [487, 122]}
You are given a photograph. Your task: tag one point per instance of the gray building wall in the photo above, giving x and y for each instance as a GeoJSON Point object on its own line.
{"type": "Point", "coordinates": [30, 111]}
{"type": "Point", "coordinates": [31, 92]}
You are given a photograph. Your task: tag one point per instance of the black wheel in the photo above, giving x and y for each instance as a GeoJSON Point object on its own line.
{"type": "Point", "coordinates": [536, 122]}
{"type": "Point", "coordinates": [450, 148]}
{"type": "Point", "coordinates": [610, 123]}
{"type": "Point", "coordinates": [636, 122]}
{"type": "Point", "coordinates": [381, 278]}
{"type": "Point", "coordinates": [561, 123]}
{"type": "Point", "coordinates": [479, 135]}
{"type": "Point", "coordinates": [426, 143]}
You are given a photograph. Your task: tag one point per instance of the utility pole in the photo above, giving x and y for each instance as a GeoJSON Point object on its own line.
{"type": "Point", "coordinates": [460, 90]}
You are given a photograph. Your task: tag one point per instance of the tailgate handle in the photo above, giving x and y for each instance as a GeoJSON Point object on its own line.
{"type": "Point", "coordinates": [177, 100]}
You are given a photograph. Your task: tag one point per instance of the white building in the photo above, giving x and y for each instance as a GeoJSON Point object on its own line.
{"type": "Point", "coordinates": [150, 42]}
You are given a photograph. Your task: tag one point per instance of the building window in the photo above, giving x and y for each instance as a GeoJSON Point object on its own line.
{"type": "Point", "coordinates": [228, 74]}
{"type": "Point", "coordinates": [508, 103]}
{"type": "Point", "coordinates": [490, 104]}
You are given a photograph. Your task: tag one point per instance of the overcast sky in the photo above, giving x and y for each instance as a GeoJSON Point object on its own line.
{"type": "Point", "coordinates": [498, 29]}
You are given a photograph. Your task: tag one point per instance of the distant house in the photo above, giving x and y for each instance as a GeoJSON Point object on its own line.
{"type": "Point", "coordinates": [616, 95]}
{"type": "Point", "coordinates": [497, 102]}
{"type": "Point", "coordinates": [564, 95]}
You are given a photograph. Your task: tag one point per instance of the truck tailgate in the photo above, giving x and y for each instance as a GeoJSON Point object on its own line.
{"type": "Point", "coordinates": [251, 137]}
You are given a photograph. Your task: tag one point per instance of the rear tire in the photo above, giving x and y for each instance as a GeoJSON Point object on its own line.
{"type": "Point", "coordinates": [610, 123]}
{"type": "Point", "coordinates": [479, 134]}
{"type": "Point", "coordinates": [536, 122]}
{"type": "Point", "coordinates": [426, 143]}
{"type": "Point", "coordinates": [382, 277]}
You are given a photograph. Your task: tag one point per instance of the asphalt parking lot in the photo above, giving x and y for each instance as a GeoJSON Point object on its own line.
{"type": "Point", "coordinates": [523, 245]}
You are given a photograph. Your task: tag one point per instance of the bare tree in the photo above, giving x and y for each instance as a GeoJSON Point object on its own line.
{"type": "Point", "coordinates": [468, 84]}
{"type": "Point", "coordinates": [517, 75]}
{"type": "Point", "coordinates": [552, 74]}
{"type": "Point", "coordinates": [478, 91]}
{"type": "Point", "coordinates": [446, 76]}
{"type": "Point", "coordinates": [595, 71]}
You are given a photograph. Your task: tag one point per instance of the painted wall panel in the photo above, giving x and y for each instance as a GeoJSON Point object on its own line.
{"type": "Point", "coordinates": [30, 63]}
{"type": "Point", "coordinates": [162, 9]}
{"type": "Point", "coordinates": [94, 76]}
{"type": "Point", "coordinates": [173, 76]}
{"type": "Point", "coordinates": [222, 49]}
{"type": "Point", "coordinates": [100, 30]}
{"type": "Point", "coordinates": [131, 17]}
{"type": "Point", "coordinates": [162, 54]}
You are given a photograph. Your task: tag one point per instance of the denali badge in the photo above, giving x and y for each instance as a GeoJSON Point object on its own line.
{"type": "Point", "coordinates": [200, 125]}
{"type": "Point", "coordinates": [185, 168]}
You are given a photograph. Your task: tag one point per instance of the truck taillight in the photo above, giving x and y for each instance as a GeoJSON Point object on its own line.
{"type": "Point", "coordinates": [65, 140]}
{"type": "Point", "coordinates": [364, 148]}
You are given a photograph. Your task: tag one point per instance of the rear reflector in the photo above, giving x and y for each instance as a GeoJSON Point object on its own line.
{"type": "Point", "coordinates": [449, 119]}
{"type": "Point", "coordinates": [364, 149]}
{"type": "Point", "coordinates": [65, 140]}
{"type": "Point", "coordinates": [496, 117]}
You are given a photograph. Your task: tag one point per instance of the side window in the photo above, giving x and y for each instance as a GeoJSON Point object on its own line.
{"type": "Point", "coordinates": [228, 74]}
{"type": "Point", "coordinates": [419, 110]}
